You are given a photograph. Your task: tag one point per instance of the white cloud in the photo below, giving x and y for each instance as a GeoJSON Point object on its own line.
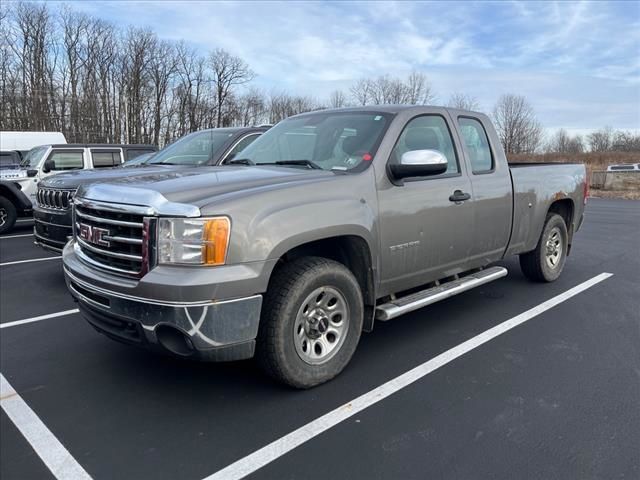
{"type": "Point", "coordinates": [577, 62]}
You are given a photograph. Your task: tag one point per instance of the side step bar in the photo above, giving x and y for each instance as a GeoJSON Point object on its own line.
{"type": "Point", "coordinates": [412, 302]}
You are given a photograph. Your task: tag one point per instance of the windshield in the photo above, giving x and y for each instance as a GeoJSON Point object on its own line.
{"type": "Point", "coordinates": [194, 149]}
{"type": "Point", "coordinates": [327, 140]}
{"type": "Point", "coordinates": [32, 159]}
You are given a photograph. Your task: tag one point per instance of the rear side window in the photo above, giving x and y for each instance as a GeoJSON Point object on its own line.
{"type": "Point", "coordinates": [69, 160]}
{"type": "Point", "coordinates": [102, 159]}
{"type": "Point", "coordinates": [427, 132]}
{"type": "Point", "coordinates": [476, 144]}
{"type": "Point", "coordinates": [241, 145]}
{"type": "Point", "coordinates": [9, 159]}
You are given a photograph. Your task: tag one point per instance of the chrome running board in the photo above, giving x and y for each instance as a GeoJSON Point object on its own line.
{"type": "Point", "coordinates": [412, 302]}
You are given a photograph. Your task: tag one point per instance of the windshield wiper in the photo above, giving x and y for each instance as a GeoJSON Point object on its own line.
{"type": "Point", "coordinates": [239, 161]}
{"type": "Point", "coordinates": [305, 163]}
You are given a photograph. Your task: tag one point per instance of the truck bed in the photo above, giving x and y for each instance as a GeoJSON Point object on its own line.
{"type": "Point", "coordinates": [535, 187]}
{"type": "Point", "coordinates": [534, 164]}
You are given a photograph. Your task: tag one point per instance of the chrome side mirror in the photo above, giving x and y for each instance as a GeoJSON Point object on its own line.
{"type": "Point", "coordinates": [419, 163]}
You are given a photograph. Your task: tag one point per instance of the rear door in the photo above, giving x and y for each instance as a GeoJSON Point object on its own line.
{"type": "Point", "coordinates": [491, 189]}
{"type": "Point", "coordinates": [424, 234]}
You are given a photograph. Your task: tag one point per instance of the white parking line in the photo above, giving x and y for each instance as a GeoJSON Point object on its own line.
{"type": "Point", "coordinates": [37, 319]}
{"type": "Point", "coordinates": [17, 236]}
{"type": "Point", "coordinates": [280, 447]}
{"type": "Point", "coordinates": [29, 261]}
{"type": "Point", "coordinates": [46, 445]}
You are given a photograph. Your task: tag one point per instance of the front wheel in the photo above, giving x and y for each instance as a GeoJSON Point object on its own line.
{"type": "Point", "coordinates": [545, 263]}
{"type": "Point", "coordinates": [311, 322]}
{"type": "Point", "coordinates": [8, 215]}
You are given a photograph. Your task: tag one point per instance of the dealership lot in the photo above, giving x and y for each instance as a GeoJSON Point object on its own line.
{"type": "Point", "coordinates": [555, 397]}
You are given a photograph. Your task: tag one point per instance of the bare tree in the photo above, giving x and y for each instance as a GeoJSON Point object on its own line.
{"type": "Point", "coordinates": [361, 91]}
{"type": "Point", "coordinates": [600, 140]}
{"type": "Point", "coordinates": [418, 90]}
{"type": "Point", "coordinates": [283, 105]}
{"type": "Point", "coordinates": [463, 101]}
{"type": "Point", "coordinates": [562, 142]}
{"type": "Point", "coordinates": [385, 89]}
{"type": "Point", "coordinates": [163, 66]}
{"type": "Point", "coordinates": [517, 126]}
{"type": "Point", "coordinates": [252, 108]}
{"type": "Point", "coordinates": [626, 142]}
{"type": "Point", "coordinates": [228, 72]}
{"type": "Point", "coordinates": [337, 99]}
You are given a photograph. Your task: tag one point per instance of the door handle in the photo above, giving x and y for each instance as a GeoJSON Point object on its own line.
{"type": "Point", "coordinates": [459, 196]}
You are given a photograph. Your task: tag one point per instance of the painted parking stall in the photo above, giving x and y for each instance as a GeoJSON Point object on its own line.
{"type": "Point", "coordinates": [437, 376]}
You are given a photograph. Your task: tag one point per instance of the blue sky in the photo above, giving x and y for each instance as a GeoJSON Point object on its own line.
{"type": "Point", "coordinates": [577, 62]}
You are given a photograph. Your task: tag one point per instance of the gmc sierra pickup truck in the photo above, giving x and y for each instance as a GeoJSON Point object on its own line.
{"type": "Point", "coordinates": [329, 221]}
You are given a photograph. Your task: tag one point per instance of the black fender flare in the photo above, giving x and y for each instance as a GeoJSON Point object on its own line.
{"type": "Point", "coordinates": [12, 192]}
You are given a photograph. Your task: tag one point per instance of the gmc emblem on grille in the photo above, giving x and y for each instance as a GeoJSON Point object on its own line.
{"type": "Point", "coordinates": [94, 235]}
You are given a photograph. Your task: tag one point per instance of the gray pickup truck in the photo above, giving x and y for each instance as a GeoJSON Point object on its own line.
{"type": "Point", "coordinates": [329, 221]}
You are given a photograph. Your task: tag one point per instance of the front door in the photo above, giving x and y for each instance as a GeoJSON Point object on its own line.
{"type": "Point", "coordinates": [425, 234]}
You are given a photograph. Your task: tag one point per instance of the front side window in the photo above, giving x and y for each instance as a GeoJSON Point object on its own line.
{"type": "Point", "coordinates": [476, 144]}
{"type": "Point", "coordinates": [103, 159]}
{"type": "Point", "coordinates": [427, 132]}
{"type": "Point", "coordinates": [194, 149]}
{"type": "Point", "coordinates": [241, 145]}
{"type": "Point", "coordinates": [345, 141]}
{"type": "Point", "coordinates": [66, 160]}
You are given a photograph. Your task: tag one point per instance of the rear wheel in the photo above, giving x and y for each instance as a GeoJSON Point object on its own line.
{"type": "Point", "coordinates": [545, 263]}
{"type": "Point", "coordinates": [8, 215]}
{"type": "Point", "coordinates": [311, 322]}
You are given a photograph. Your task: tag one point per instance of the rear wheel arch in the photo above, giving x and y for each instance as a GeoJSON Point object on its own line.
{"type": "Point", "coordinates": [565, 208]}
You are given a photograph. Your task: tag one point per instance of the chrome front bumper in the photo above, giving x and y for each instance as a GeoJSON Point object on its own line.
{"type": "Point", "coordinates": [215, 330]}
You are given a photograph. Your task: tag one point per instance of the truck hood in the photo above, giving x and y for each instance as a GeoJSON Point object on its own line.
{"type": "Point", "coordinates": [76, 178]}
{"type": "Point", "coordinates": [202, 185]}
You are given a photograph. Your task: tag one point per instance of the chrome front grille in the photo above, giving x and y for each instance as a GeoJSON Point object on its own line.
{"type": "Point", "coordinates": [54, 199]}
{"type": "Point", "coordinates": [111, 238]}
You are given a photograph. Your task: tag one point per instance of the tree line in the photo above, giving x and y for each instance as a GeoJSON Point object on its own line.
{"type": "Point", "coordinates": [64, 70]}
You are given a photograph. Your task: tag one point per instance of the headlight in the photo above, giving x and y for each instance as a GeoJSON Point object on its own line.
{"type": "Point", "coordinates": [193, 241]}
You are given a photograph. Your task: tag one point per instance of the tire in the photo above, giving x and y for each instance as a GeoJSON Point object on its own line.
{"type": "Point", "coordinates": [8, 215]}
{"type": "Point", "coordinates": [312, 300]}
{"type": "Point", "coordinates": [545, 263]}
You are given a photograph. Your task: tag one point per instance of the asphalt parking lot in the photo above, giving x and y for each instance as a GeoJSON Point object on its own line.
{"type": "Point", "coordinates": [558, 396]}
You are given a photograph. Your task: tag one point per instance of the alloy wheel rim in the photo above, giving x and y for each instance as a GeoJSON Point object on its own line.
{"type": "Point", "coordinates": [3, 216]}
{"type": "Point", "coordinates": [553, 248]}
{"type": "Point", "coordinates": [321, 325]}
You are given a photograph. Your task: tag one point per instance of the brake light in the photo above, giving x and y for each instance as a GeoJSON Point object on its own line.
{"type": "Point", "coordinates": [367, 157]}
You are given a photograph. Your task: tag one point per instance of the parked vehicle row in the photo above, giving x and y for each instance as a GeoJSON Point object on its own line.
{"type": "Point", "coordinates": [52, 211]}
{"type": "Point", "coordinates": [325, 223]}
{"type": "Point", "coordinates": [18, 186]}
